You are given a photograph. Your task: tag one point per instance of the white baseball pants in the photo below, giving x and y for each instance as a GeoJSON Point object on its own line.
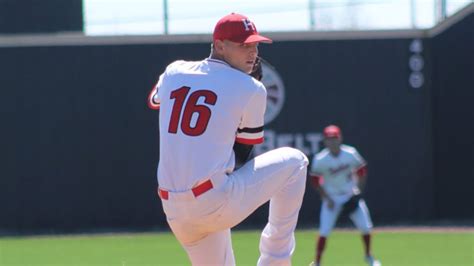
{"type": "Point", "coordinates": [328, 217]}
{"type": "Point", "coordinates": [202, 224]}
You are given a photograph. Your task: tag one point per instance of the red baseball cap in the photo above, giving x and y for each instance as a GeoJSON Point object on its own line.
{"type": "Point", "coordinates": [237, 28]}
{"type": "Point", "coordinates": [332, 131]}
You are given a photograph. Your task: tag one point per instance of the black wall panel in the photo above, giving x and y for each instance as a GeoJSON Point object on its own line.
{"type": "Point", "coordinates": [79, 145]}
{"type": "Point", "coordinates": [453, 79]}
{"type": "Point", "coordinates": [40, 16]}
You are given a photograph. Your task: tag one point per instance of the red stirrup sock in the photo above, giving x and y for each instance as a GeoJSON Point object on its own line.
{"type": "Point", "coordinates": [320, 248]}
{"type": "Point", "coordinates": [366, 239]}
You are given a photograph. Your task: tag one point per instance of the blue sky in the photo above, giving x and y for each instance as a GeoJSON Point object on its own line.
{"type": "Point", "coordinates": [138, 17]}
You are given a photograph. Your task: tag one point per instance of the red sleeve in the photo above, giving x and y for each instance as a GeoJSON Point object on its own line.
{"type": "Point", "coordinates": [250, 136]}
{"type": "Point", "coordinates": [316, 180]}
{"type": "Point", "coordinates": [362, 171]}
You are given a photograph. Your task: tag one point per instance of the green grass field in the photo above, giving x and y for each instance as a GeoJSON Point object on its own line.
{"type": "Point", "coordinates": [344, 248]}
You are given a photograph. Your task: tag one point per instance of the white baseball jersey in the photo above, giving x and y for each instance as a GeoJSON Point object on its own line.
{"type": "Point", "coordinates": [205, 106]}
{"type": "Point", "coordinates": [338, 172]}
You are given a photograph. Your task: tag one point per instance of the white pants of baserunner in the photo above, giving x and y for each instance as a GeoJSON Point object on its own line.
{"type": "Point", "coordinates": [202, 224]}
{"type": "Point", "coordinates": [328, 217]}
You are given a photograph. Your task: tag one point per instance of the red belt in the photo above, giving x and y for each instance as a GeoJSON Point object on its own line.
{"type": "Point", "coordinates": [197, 190]}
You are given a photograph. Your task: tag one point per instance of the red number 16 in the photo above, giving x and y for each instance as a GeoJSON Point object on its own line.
{"type": "Point", "coordinates": [190, 107]}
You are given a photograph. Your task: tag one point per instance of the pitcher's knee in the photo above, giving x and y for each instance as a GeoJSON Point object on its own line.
{"type": "Point", "coordinates": [295, 156]}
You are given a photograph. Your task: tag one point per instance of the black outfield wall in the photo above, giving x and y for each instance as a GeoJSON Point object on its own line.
{"type": "Point", "coordinates": [453, 86]}
{"type": "Point", "coordinates": [79, 146]}
{"type": "Point", "coordinates": [40, 16]}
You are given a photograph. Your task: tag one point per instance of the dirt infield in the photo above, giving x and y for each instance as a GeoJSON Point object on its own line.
{"type": "Point", "coordinates": [429, 229]}
{"type": "Point", "coordinates": [435, 227]}
{"type": "Point", "coordinates": [415, 229]}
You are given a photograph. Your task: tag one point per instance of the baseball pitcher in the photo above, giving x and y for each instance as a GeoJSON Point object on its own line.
{"type": "Point", "coordinates": [210, 115]}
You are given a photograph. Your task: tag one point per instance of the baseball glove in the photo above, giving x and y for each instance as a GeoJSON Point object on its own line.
{"type": "Point", "coordinates": [351, 205]}
{"type": "Point", "coordinates": [257, 69]}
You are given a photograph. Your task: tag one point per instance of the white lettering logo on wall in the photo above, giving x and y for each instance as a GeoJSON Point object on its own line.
{"type": "Point", "coordinates": [308, 142]}
{"type": "Point", "coordinates": [275, 92]}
